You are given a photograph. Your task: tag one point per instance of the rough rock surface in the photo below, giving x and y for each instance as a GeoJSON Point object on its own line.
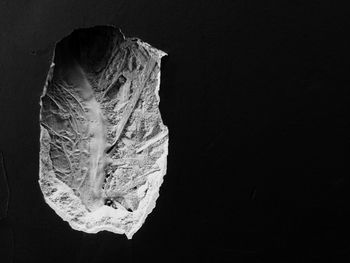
{"type": "Point", "coordinates": [103, 145]}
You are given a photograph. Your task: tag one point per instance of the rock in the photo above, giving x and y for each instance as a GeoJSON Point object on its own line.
{"type": "Point", "coordinates": [103, 145]}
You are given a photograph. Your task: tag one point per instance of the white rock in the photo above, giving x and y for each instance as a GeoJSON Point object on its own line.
{"type": "Point", "coordinates": [103, 145]}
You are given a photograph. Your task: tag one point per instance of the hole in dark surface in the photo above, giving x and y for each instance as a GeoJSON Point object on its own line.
{"type": "Point", "coordinates": [108, 174]}
{"type": "Point", "coordinates": [108, 202]}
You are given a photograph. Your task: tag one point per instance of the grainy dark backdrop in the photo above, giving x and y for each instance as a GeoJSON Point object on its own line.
{"type": "Point", "coordinates": [256, 98]}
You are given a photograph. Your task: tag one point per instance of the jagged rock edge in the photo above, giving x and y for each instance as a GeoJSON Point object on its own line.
{"type": "Point", "coordinates": [152, 203]}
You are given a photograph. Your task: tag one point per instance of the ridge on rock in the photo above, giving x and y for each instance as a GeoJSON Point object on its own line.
{"type": "Point", "coordinates": [103, 145]}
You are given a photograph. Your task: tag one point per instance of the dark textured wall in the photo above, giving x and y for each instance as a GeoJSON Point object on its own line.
{"type": "Point", "coordinates": [255, 95]}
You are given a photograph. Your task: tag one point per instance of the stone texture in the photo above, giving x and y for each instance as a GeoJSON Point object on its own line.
{"type": "Point", "coordinates": [103, 145]}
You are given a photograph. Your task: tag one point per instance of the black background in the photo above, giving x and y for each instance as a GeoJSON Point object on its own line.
{"type": "Point", "coordinates": [255, 95]}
